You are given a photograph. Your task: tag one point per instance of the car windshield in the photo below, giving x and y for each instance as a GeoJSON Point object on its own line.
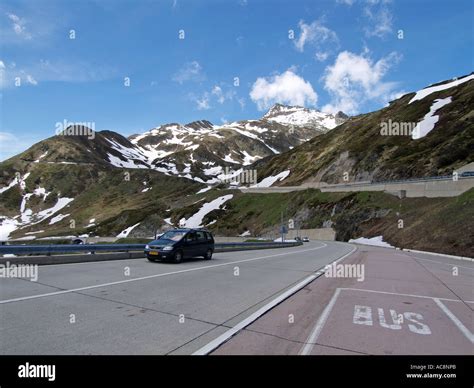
{"type": "Point", "coordinates": [173, 235]}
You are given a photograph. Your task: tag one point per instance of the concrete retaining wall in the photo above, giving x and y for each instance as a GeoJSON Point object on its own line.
{"type": "Point", "coordinates": [430, 189]}
{"type": "Point", "coordinates": [313, 234]}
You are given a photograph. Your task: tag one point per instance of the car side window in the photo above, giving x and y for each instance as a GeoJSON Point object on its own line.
{"type": "Point", "coordinates": [191, 236]}
{"type": "Point", "coordinates": [208, 236]}
{"type": "Point", "coordinates": [201, 236]}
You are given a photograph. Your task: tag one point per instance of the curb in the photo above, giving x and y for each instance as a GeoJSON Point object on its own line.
{"type": "Point", "coordinates": [441, 254]}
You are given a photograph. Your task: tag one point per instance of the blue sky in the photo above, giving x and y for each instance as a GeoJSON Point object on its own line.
{"type": "Point", "coordinates": [237, 58]}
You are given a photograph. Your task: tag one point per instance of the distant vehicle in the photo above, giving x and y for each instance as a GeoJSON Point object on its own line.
{"type": "Point", "coordinates": [305, 239]}
{"type": "Point", "coordinates": [77, 241]}
{"type": "Point", "coordinates": [297, 238]}
{"type": "Point", "coordinates": [179, 244]}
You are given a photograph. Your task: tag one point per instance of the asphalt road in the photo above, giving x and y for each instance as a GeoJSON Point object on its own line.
{"type": "Point", "coordinates": [406, 303]}
{"type": "Point", "coordinates": [138, 307]}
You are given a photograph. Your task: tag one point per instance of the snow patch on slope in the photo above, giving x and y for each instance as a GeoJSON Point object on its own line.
{"type": "Point", "coordinates": [427, 91]}
{"type": "Point", "coordinates": [195, 221]}
{"type": "Point", "coordinates": [124, 233]}
{"type": "Point", "coordinates": [426, 125]}
{"type": "Point", "coordinates": [270, 180]}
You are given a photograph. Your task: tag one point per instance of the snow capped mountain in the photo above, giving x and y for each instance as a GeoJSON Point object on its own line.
{"type": "Point", "coordinates": [202, 151]}
{"type": "Point", "coordinates": [45, 184]}
{"type": "Point", "coordinates": [299, 116]}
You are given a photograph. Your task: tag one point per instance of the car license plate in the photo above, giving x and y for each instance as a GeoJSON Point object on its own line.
{"type": "Point", "coordinates": [154, 253]}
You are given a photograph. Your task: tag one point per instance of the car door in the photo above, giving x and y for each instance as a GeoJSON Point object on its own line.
{"type": "Point", "coordinates": [201, 243]}
{"type": "Point", "coordinates": [189, 247]}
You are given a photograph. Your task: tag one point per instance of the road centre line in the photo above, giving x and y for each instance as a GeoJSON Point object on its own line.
{"type": "Point", "coordinates": [151, 276]}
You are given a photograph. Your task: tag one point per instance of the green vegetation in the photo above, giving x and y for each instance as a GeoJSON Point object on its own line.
{"type": "Point", "coordinates": [358, 147]}
{"type": "Point", "coordinates": [434, 224]}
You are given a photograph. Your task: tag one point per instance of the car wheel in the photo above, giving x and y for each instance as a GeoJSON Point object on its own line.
{"type": "Point", "coordinates": [208, 255]}
{"type": "Point", "coordinates": [178, 257]}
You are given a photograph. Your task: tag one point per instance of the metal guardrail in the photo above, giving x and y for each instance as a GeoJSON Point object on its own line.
{"type": "Point", "coordinates": [423, 179]}
{"type": "Point", "coordinates": [394, 182]}
{"type": "Point", "coordinates": [92, 248]}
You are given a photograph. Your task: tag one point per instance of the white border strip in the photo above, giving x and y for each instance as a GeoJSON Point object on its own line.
{"type": "Point", "coordinates": [456, 321]}
{"type": "Point", "coordinates": [440, 254]}
{"type": "Point", "coordinates": [206, 349]}
{"type": "Point", "coordinates": [313, 336]}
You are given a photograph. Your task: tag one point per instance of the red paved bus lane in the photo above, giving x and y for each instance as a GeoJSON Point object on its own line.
{"type": "Point", "coordinates": [377, 323]}
{"type": "Point", "coordinates": [375, 301]}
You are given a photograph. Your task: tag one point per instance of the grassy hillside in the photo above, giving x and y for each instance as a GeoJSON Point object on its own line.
{"type": "Point", "coordinates": [434, 224]}
{"type": "Point", "coordinates": [359, 148]}
{"type": "Point", "coordinates": [114, 197]}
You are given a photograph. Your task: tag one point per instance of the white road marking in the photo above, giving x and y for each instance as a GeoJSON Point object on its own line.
{"type": "Point", "coordinates": [456, 321]}
{"type": "Point", "coordinates": [309, 343]}
{"type": "Point", "coordinates": [313, 337]}
{"type": "Point", "coordinates": [152, 276]}
{"type": "Point", "coordinates": [362, 315]}
{"type": "Point", "coordinates": [440, 262]}
{"type": "Point", "coordinates": [399, 294]}
{"type": "Point", "coordinates": [206, 349]}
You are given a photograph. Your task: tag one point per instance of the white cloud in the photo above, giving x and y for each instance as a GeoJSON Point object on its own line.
{"type": "Point", "coordinates": [221, 95]}
{"type": "Point", "coordinates": [44, 70]}
{"type": "Point", "coordinates": [31, 80]}
{"type": "Point", "coordinates": [191, 71]}
{"type": "Point", "coordinates": [314, 33]}
{"type": "Point", "coordinates": [377, 14]}
{"type": "Point", "coordinates": [217, 91]}
{"type": "Point", "coordinates": [286, 88]}
{"type": "Point", "coordinates": [203, 102]}
{"type": "Point", "coordinates": [379, 17]}
{"type": "Point", "coordinates": [18, 25]}
{"type": "Point", "coordinates": [321, 56]}
{"type": "Point", "coordinates": [355, 79]}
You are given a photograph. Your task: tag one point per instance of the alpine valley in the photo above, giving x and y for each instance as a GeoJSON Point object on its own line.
{"type": "Point", "coordinates": [184, 174]}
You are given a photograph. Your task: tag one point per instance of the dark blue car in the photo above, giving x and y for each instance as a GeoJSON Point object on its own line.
{"type": "Point", "coordinates": [179, 244]}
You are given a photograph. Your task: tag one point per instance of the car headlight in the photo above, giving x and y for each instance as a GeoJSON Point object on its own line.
{"type": "Point", "coordinates": [168, 248]}
{"type": "Point", "coordinates": [147, 246]}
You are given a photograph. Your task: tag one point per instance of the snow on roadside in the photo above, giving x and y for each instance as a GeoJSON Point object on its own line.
{"type": "Point", "coordinates": [428, 122]}
{"type": "Point", "coordinates": [58, 218]}
{"type": "Point", "coordinates": [427, 91]}
{"type": "Point", "coordinates": [270, 180]}
{"type": "Point", "coordinates": [245, 234]}
{"type": "Point", "coordinates": [286, 240]}
{"type": "Point", "coordinates": [41, 157]}
{"type": "Point", "coordinates": [204, 190]}
{"type": "Point", "coordinates": [124, 233]}
{"type": "Point", "coordinates": [375, 241]}
{"type": "Point", "coordinates": [195, 221]}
